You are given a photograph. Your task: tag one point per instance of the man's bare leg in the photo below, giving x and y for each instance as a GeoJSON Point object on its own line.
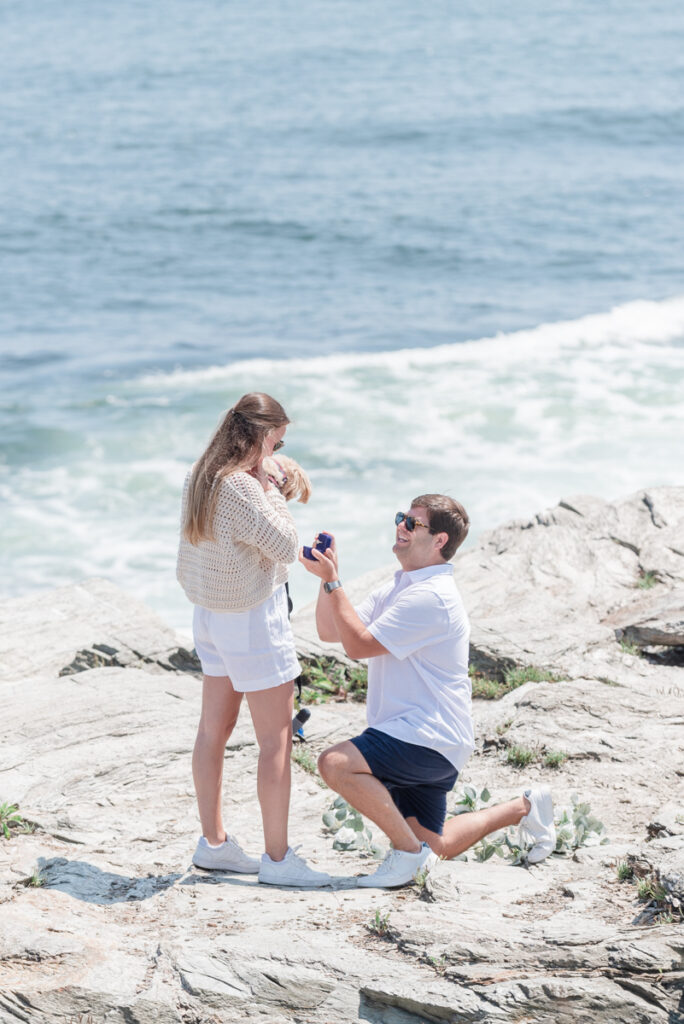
{"type": "Point", "coordinates": [463, 831]}
{"type": "Point", "coordinates": [345, 769]}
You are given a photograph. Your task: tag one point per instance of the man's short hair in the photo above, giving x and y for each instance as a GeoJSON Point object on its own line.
{"type": "Point", "coordinates": [445, 515]}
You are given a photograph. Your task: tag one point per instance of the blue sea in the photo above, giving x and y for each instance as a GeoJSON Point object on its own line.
{"type": "Point", "coordinates": [447, 237]}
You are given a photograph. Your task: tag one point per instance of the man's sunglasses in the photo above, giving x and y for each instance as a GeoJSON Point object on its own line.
{"type": "Point", "coordinates": [410, 522]}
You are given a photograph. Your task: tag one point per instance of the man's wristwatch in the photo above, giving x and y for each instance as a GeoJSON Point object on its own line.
{"type": "Point", "coordinates": [333, 585]}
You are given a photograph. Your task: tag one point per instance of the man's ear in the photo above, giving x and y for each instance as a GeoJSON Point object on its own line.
{"type": "Point", "coordinates": [440, 540]}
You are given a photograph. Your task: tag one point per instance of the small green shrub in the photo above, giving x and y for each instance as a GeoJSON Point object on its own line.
{"type": "Point", "coordinates": [649, 888]}
{"type": "Point", "coordinates": [554, 758]}
{"type": "Point", "coordinates": [647, 580]}
{"type": "Point", "coordinates": [471, 801]}
{"type": "Point", "coordinates": [624, 871]}
{"type": "Point", "coordinates": [515, 677]}
{"type": "Point", "coordinates": [519, 756]}
{"type": "Point", "coordinates": [302, 756]}
{"type": "Point", "coordinates": [503, 727]}
{"type": "Point", "coordinates": [9, 818]}
{"type": "Point", "coordinates": [326, 679]}
{"type": "Point", "coordinates": [439, 963]}
{"type": "Point", "coordinates": [37, 879]}
{"type": "Point", "coordinates": [497, 844]}
{"type": "Point", "coordinates": [576, 826]}
{"type": "Point", "coordinates": [487, 688]}
{"type": "Point", "coordinates": [379, 924]}
{"type": "Point", "coordinates": [347, 825]}
{"type": "Point", "coordinates": [628, 648]}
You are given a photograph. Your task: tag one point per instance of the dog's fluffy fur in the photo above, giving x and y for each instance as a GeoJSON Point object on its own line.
{"type": "Point", "coordinates": [289, 477]}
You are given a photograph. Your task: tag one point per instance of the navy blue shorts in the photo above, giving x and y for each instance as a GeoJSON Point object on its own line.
{"type": "Point", "coordinates": [417, 777]}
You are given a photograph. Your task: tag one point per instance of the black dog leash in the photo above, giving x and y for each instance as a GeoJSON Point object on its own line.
{"type": "Point", "coordinates": [303, 715]}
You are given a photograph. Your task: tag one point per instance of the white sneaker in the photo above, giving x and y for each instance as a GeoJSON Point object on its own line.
{"type": "Point", "coordinates": [538, 825]}
{"type": "Point", "coordinates": [291, 870]}
{"type": "Point", "coordinates": [399, 868]}
{"type": "Point", "coordinates": [229, 856]}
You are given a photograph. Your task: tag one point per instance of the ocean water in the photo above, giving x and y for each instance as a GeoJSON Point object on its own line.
{"type": "Point", "coordinates": [449, 240]}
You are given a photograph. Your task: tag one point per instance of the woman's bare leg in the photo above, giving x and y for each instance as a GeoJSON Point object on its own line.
{"type": "Point", "coordinates": [220, 710]}
{"type": "Point", "coordinates": [271, 712]}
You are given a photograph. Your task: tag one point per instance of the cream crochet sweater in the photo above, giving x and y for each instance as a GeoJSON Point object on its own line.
{"type": "Point", "coordinates": [255, 536]}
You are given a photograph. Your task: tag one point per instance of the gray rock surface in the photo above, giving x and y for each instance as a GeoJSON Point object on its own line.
{"type": "Point", "coordinates": [664, 624]}
{"type": "Point", "coordinates": [123, 929]}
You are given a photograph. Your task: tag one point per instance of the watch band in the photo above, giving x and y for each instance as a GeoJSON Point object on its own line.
{"type": "Point", "coordinates": [333, 585]}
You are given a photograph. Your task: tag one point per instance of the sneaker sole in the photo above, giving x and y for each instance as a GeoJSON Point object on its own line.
{"type": "Point", "coordinates": [291, 884]}
{"type": "Point", "coordinates": [233, 870]}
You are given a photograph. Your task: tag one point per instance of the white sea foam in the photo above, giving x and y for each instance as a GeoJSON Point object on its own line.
{"type": "Point", "coordinates": [607, 334]}
{"type": "Point", "coordinates": [507, 424]}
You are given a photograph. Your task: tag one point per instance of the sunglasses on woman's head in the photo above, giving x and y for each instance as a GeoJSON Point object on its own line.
{"type": "Point", "coordinates": [409, 521]}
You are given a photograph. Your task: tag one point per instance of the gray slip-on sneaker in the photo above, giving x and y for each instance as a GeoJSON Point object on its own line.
{"type": "Point", "coordinates": [291, 870]}
{"type": "Point", "coordinates": [229, 856]}
{"type": "Point", "coordinates": [399, 868]}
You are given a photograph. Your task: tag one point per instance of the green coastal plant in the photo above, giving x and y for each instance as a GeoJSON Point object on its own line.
{"type": "Point", "coordinates": [519, 756]}
{"type": "Point", "coordinates": [515, 677]}
{"type": "Point", "coordinates": [469, 800]}
{"type": "Point", "coordinates": [325, 679]}
{"type": "Point", "coordinates": [628, 648]}
{"type": "Point", "coordinates": [647, 580]}
{"type": "Point", "coordinates": [302, 756]}
{"type": "Point", "coordinates": [487, 688]}
{"type": "Point", "coordinates": [554, 758]}
{"type": "Point", "coordinates": [650, 888]}
{"type": "Point", "coordinates": [379, 924]}
{"type": "Point", "coordinates": [624, 871]}
{"type": "Point", "coordinates": [9, 817]}
{"type": "Point", "coordinates": [347, 826]}
{"type": "Point", "coordinates": [576, 826]}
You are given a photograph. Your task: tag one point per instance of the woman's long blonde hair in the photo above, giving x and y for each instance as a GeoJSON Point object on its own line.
{"type": "Point", "coordinates": [236, 445]}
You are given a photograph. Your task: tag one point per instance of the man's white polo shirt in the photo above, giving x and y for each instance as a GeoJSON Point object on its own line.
{"type": "Point", "coordinates": [420, 692]}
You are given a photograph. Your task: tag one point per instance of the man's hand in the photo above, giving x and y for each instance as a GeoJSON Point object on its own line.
{"type": "Point", "coordinates": [325, 565]}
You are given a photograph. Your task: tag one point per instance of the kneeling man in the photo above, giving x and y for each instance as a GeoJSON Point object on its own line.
{"type": "Point", "coordinates": [415, 632]}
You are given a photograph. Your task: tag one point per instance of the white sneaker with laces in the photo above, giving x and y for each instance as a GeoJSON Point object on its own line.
{"type": "Point", "coordinates": [291, 870]}
{"type": "Point", "coordinates": [229, 856]}
{"type": "Point", "coordinates": [538, 825]}
{"type": "Point", "coordinates": [398, 868]}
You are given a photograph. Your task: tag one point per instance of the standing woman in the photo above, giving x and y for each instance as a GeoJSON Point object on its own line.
{"type": "Point", "coordinates": [237, 537]}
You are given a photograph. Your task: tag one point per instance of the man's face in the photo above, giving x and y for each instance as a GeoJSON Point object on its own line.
{"type": "Point", "coordinates": [417, 548]}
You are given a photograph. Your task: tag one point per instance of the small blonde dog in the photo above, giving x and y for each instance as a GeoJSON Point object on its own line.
{"type": "Point", "coordinates": [289, 477]}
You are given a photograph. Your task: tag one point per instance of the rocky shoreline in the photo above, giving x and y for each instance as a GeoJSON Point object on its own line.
{"type": "Point", "coordinates": [103, 918]}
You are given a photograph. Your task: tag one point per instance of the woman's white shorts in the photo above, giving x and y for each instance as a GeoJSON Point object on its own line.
{"type": "Point", "coordinates": [254, 648]}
